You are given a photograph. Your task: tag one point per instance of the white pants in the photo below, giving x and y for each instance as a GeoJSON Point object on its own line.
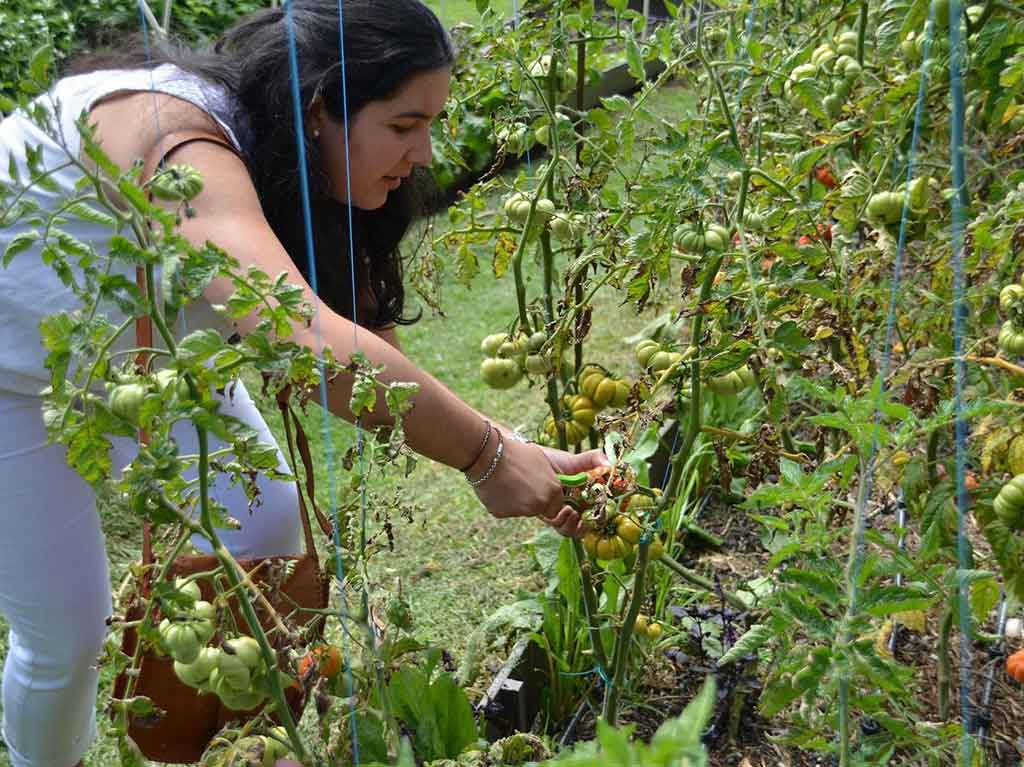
{"type": "Point", "coordinates": [55, 583]}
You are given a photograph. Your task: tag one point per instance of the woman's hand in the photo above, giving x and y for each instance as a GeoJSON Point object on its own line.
{"type": "Point", "coordinates": [524, 482]}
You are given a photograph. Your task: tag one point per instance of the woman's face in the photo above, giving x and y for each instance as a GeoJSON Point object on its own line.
{"type": "Point", "coordinates": [387, 139]}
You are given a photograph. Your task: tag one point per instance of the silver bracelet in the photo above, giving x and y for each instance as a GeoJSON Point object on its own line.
{"type": "Point", "coordinates": [494, 463]}
{"type": "Point", "coordinates": [480, 450]}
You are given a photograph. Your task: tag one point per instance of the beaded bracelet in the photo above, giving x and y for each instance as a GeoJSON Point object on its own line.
{"type": "Point", "coordinates": [494, 464]}
{"type": "Point", "coordinates": [480, 452]}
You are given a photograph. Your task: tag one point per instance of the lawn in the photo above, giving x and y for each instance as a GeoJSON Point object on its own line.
{"type": "Point", "coordinates": [454, 563]}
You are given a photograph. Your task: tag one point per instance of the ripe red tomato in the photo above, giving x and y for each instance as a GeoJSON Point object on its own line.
{"type": "Point", "coordinates": [825, 233]}
{"type": "Point", "coordinates": [824, 176]}
{"type": "Point", "coordinates": [326, 656]}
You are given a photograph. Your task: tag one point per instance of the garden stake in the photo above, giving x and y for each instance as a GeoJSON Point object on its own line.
{"type": "Point", "coordinates": [997, 652]}
{"type": "Point", "coordinates": [959, 204]}
{"type": "Point", "coordinates": [901, 522]}
{"type": "Point", "coordinates": [867, 467]}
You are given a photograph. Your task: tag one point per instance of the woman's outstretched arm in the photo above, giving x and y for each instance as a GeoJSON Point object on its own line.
{"type": "Point", "coordinates": [440, 426]}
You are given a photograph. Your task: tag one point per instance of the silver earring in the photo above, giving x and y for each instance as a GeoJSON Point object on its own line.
{"type": "Point", "coordinates": [316, 134]}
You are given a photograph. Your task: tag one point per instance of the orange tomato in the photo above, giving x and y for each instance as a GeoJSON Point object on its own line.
{"type": "Point", "coordinates": [1015, 665]}
{"type": "Point", "coordinates": [328, 660]}
{"type": "Point", "coordinates": [824, 176]}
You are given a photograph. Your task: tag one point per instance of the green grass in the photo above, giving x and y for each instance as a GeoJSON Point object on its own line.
{"type": "Point", "coordinates": [454, 563]}
{"type": "Point", "coordinates": [452, 12]}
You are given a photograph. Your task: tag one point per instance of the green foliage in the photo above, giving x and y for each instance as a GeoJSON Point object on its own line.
{"type": "Point", "coordinates": [71, 28]}
{"type": "Point", "coordinates": [677, 741]}
{"type": "Point", "coordinates": [436, 712]}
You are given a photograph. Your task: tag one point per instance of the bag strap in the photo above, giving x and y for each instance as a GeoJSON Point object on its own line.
{"type": "Point", "coordinates": [291, 422]}
{"type": "Point", "coordinates": [144, 338]}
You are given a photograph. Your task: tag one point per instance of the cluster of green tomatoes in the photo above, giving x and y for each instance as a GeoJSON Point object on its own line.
{"type": "Point", "coordinates": [234, 672]}
{"type": "Point", "coordinates": [1009, 503]}
{"type": "Point", "coordinates": [127, 395]}
{"type": "Point", "coordinates": [835, 61]}
{"type": "Point", "coordinates": [562, 225]}
{"type": "Point", "coordinates": [656, 358]}
{"type": "Point", "coordinates": [617, 512]}
{"type": "Point", "coordinates": [700, 238]}
{"type": "Point", "coordinates": [1011, 334]}
{"type": "Point", "coordinates": [508, 357]}
{"type": "Point", "coordinates": [887, 207]}
{"type": "Point", "coordinates": [596, 390]}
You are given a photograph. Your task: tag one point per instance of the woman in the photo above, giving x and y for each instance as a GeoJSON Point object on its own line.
{"type": "Point", "coordinates": [54, 582]}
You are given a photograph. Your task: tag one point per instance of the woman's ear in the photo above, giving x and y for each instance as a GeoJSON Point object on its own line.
{"type": "Point", "coordinates": [315, 118]}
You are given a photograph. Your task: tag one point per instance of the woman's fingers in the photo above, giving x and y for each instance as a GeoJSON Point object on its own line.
{"type": "Point", "coordinates": [567, 522]}
{"type": "Point", "coordinates": [573, 463]}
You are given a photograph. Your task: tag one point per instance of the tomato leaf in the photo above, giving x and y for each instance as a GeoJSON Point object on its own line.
{"type": "Point", "coordinates": [19, 244]}
{"type": "Point", "coordinates": [788, 336]}
{"type": "Point", "coordinates": [198, 346]}
{"type": "Point", "coordinates": [635, 60]}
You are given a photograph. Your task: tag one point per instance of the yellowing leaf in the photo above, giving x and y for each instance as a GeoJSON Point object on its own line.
{"type": "Point", "coordinates": [882, 639]}
{"type": "Point", "coordinates": [915, 620]}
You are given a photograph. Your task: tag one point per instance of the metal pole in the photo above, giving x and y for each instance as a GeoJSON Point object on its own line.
{"type": "Point", "coordinates": [990, 679]}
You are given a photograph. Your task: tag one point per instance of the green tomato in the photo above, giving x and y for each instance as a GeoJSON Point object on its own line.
{"type": "Point", "coordinates": [746, 377]}
{"type": "Point", "coordinates": [180, 640]}
{"type": "Point", "coordinates": [185, 586]}
{"type": "Point", "coordinates": [621, 397]}
{"type": "Point", "coordinates": [1011, 341]}
{"type": "Point", "coordinates": [537, 364]}
{"type": "Point", "coordinates": [645, 350]}
{"type": "Point", "coordinates": [492, 343]}
{"type": "Point", "coordinates": [499, 373]}
{"type": "Point", "coordinates": [662, 360]}
{"type": "Point", "coordinates": [732, 383]}
{"type": "Point", "coordinates": [246, 649]}
{"type": "Point", "coordinates": [169, 378]}
{"type": "Point", "coordinates": [833, 105]}
{"type": "Point", "coordinates": [536, 341]}
{"type": "Point", "coordinates": [918, 193]}
{"type": "Point", "coordinates": [235, 698]}
{"type": "Point", "coordinates": [176, 183]}
{"type": "Point", "coordinates": [886, 207]}
{"type": "Point", "coordinates": [753, 220]}
{"type": "Point", "coordinates": [909, 47]}
{"type": "Point", "coordinates": [823, 56]}
{"type": "Point", "coordinates": [562, 228]}
{"type": "Point", "coordinates": [544, 210]}
{"type": "Point", "coordinates": [716, 238]}
{"type": "Point", "coordinates": [125, 401]}
{"type": "Point", "coordinates": [1011, 297]}
{"type": "Point", "coordinates": [196, 673]}
{"type": "Point", "coordinates": [231, 671]}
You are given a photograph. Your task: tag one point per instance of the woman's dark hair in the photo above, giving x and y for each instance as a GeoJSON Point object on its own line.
{"type": "Point", "coordinates": [386, 43]}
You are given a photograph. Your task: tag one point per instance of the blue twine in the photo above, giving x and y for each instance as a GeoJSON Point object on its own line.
{"type": "Point", "coordinates": [595, 670]}
{"type": "Point", "coordinates": [293, 64]}
{"type": "Point", "coordinates": [149, 59]}
{"type": "Point", "coordinates": [890, 328]}
{"type": "Point", "coordinates": [515, 25]}
{"type": "Point", "coordinates": [959, 202]}
{"type": "Point", "coordinates": [744, 70]}
{"type": "Point", "coordinates": [859, 516]}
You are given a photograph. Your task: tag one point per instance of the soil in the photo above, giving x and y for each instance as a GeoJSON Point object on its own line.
{"type": "Point", "coordinates": [744, 738]}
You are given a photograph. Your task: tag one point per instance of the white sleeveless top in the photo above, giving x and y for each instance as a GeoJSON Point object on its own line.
{"type": "Point", "coordinates": [30, 289]}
